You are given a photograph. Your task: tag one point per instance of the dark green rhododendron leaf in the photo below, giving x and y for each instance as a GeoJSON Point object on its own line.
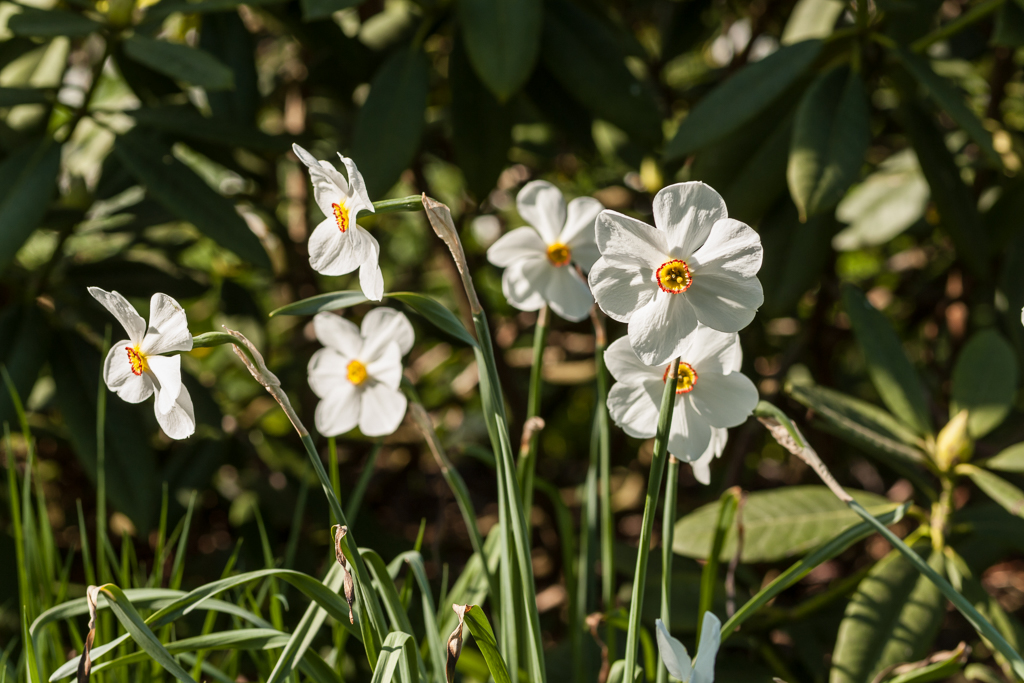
{"type": "Point", "coordinates": [40, 23]}
{"type": "Point", "coordinates": [28, 182]}
{"type": "Point", "coordinates": [502, 38]}
{"type": "Point", "coordinates": [984, 382]}
{"type": "Point", "coordinates": [180, 62]}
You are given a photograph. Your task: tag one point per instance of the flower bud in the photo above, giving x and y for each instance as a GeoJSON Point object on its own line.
{"type": "Point", "coordinates": [954, 444]}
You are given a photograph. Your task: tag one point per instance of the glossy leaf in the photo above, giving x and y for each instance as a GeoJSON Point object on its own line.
{"type": "Point", "coordinates": [892, 618]}
{"type": "Point", "coordinates": [779, 523]}
{"type": "Point", "coordinates": [436, 314]}
{"type": "Point", "coordinates": [331, 301]}
{"type": "Point", "coordinates": [811, 19]}
{"type": "Point", "coordinates": [741, 97]}
{"type": "Point", "coordinates": [389, 125]}
{"type": "Point", "coordinates": [1008, 460]}
{"type": "Point", "coordinates": [984, 382]}
{"type": "Point", "coordinates": [830, 137]}
{"type": "Point", "coordinates": [894, 377]}
{"type": "Point", "coordinates": [996, 488]}
{"type": "Point", "coordinates": [28, 182]}
{"type": "Point", "coordinates": [795, 255]}
{"type": "Point", "coordinates": [396, 655]}
{"type": "Point", "coordinates": [225, 36]}
{"type": "Point", "coordinates": [187, 195]}
{"type": "Point", "coordinates": [502, 38]}
{"type": "Point", "coordinates": [180, 62]}
{"type": "Point", "coordinates": [41, 23]}
{"type": "Point", "coordinates": [586, 58]}
{"type": "Point", "coordinates": [483, 636]}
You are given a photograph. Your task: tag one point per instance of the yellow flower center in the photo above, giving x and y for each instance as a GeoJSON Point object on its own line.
{"type": "Point", "coordinates": [674, 276]}
{"type": "Point", "coordinates": [137, 359]}
{"type": "Point", "coordinates": [686, 380]}
{"type": "Point", "coordinates": [341, 216]}
{"type": "Point", "coordinates": [559, 254]}
{"type": "Point", "coordinates": [356, 372]}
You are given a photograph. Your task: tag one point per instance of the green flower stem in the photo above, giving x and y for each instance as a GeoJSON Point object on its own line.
{"type": "Point", "coordinates": [586, 586]}
{"type": "Point", "coordinates": [528, 457]}
{"type": "Point", "coordinates": [102, 565]}
{"type": "Point", "coordinates": [605, 478]}
{"type": "Point", "coordinates": [636, 602]}
{"type": "Point", "coordinates": [411, 203]}
{"type": "Point", "coordinates": [332, 455]}
{"type": "Point", "coordinates": [972, 16]}
{"type": "Point", "coordinates": [668, 525]}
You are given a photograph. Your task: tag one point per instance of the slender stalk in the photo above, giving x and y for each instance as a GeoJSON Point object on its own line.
{"type": "Point", "coordinates": [605, 474]}
{"type": "Point", "coordinates": [586, 588]}
{"type": "Point", "coordinates": [332, 461]}
{"type": "Point", "coordinates": [668, 525]}
{"type": "Point", "coordinates": [528, 458]}
{"type": "Point", "coordinates": [668, 403]}
{"type": "Point", "coordinates": [102, 567]}
{"type": "Point", "coordinates": [972, 16]}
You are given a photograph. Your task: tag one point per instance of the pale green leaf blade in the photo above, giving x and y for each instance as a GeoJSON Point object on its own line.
{"type": "Point", "coordinates": [1008, 460]}
{"type": "Point", "coordinates": [996, 488]}
{"type": "Point", "coordinates": [436, 314]}
{"type": "Point", "coordinates": [480, 627]}
{"type": "Point", "coordinates": [984, 382]}
{"type": "Point", "coordinates": [811, 19]}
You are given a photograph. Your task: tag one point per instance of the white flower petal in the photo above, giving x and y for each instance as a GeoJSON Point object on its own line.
{"type": "Point", "coordinates": [686, 211]}
{"type": "Point", "coordinates": [327, 189]}
{"type": "Point", "coordinates": [524, 281]}
{"type": "Point", "coordinates": [658, 330]}
{"type": "Point", "coordinates": [624, 365]}
{"type": "Point", "coordinates": [625, 240]}
{"type": "Point", "coordinates": [707, 650]}
{"type": "Point", "coordinates": [371, 281]}
{"type": "Point", "coordinates": [579, 223]}
{"type": "Point", "coordinates": [119, 378]}
{"type": "Point", "coordinates": [325, 246]}
{"type": "Point", "coordinates": [708, 350]}
{"type": "Point", "coordinates": [515, 245]}
{"type": "Point", "coordinates": [621, 289]}
{"type": "Point", "coordinates": [702, 465]}
{"type": "Point", "coordinates": [337, 333]}
{"type": "Point", "coordinates": [568, 294]}
{"type": "Point", "coordinates": [586, 255]}
{"type": "Point", "coordinates": [166, 371]}
{"type": "Point", "coordinates": [673, 653]}
{"type": "Point", "coordinates": [338, 412]}
{"type": "Point", "coordinates": [726, 292]}
{"type": "Point", "coordinates": [541, 205]}
{"type": "Point", "coordinates": [326, 370]}
{"type": "Point", "coordinates": [724, 400]}
{"type": "Point", "coordinates": [168, 327]}
{"type": "Point", "coordinates": [357, 188]}
{"type": "Point", "coordinates": [731, 247]}
{"type": "Point", "coordinates": [690, 434]}
{"type": "Point", "coordinates": [180, 421]}
{"type": "Point", "coordinates": [386, 367]}
{"type": "Point", "coordinates": [125, 313]}
{"type": "Point", "coordinates": [383, 325]}
{"type": "Point", "coordinates": [631, 408]}
{"type": "Point", "coordinates": [382, 411]}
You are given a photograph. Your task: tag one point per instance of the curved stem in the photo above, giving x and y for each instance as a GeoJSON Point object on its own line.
{"type": "Point", "coordinates": [605, 492]}
{"type": "Point", "coordinates": [668, 524]}
{"type": "Point", "coordinates": [528, 458]}
{"type": "Point", "coordinates": [650, 505]}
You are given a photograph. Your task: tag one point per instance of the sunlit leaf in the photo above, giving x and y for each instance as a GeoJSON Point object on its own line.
{"type": "Point", "coordinates": [984, 382]}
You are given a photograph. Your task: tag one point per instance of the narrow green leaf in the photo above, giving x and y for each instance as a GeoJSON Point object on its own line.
{"type": "Point", "coordinates": [24, 343]}
{"type": "Point", "coordinates": [436, 314]}
{"type": "Point", "coordinates": [388, 127]}
{"type": "Point", "coordinates": [941, 670]}
{"type": "Point", "coordinates": [892, 618]}
{"type": "Point", "coordinates": [187, 195]}
{"type": "Point", "coordinates": [396, 654]}
{"type": "Point", "coordinates": [997, 488]}
{"type": "Point", "coordinates": [742, 97]}
{"type": "Point", "coordinates": [180, 62]}
{"type": "Point", "coordinates": [949, 100]}
{"type": "Point", "coordinates": [984, 382]}
{"type": "Point", "coordinates": [41, 23]}
{"type": "Point", "coordinates": [894, 377]}
{"type": "Point", "coordinates": [480, 627]}
{"type": "Point", "coordinates": [728, 503]}
{"type": "Point", "coordinates": [28, 182]}
{"type": "Point", "coordinates": [332, 301]}
{"type": "Point", "coordinates": [186, 122]}
{"type": "Point", "coordinates": [779, 523]}
{"type": "Point", "coordinates": [502, 38]}
{"type": "Point", "coordinates": [830, 137]}
{"type": "Point", "coordinates": [1008, 460]}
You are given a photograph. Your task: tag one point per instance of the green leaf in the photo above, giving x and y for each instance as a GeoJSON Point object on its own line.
{"type": "Point", "coordinates": [10, 97]}
{"type": "Point", "coordinates": [1009, 30]}
{"type": "Point", "coordinates": [436, 314]}
{"type": "Point", "coordinates": [742, 97]}
{"type": "Point", "coordinates": [830, 137]}
{"type": "Point", "coordinates": [332, 301]}
{"type": "Point", "coordinates": [321, 9]}
{"type": "Point", "coordinates": [795, 255]}
{"type": "Point", "coordinates": [1008, 460]}
{"type": "Point", "coordinates": [481, 126]}
{"type": "Point", "coordinates": [984, 382]}
{"type": "Point", "coordinates": [950, 100]}
{"type": "Point", "coordinates": [225, 36]}
{"type": "Point", "coordinates": [140, 633]}
{"type": "Point", "coordinates": [811, 19]}
{"type": "Point", "coordinates": [894, 377]}
{"type": "Point", "coordinates": [185, 122]}
{"type": "Point", "coordinates": [24, 343]}
{"type": "Point", "coordinates": [502, 38]}
{"type": "Point", "coordinates": [180, 62]}
{"type": "Point", "coordinates": [166, 8]}
{"type": "Point", "coordinates": [28, 182]}
{"type": "Point", "coordinates": [388, 127]}
{"type": "Point", "coordinates": [133, 279]}
{"type": "Point", "coordinates": [480, 627]}
{"type": "Point", "coordinates": [779, 523]}
{"type": "Point", "coordinates": [945, 668]}
{"type": "Point", "coordinates": [889, 201]}
{"type": "Point", "coordinates": [396, 654]}
{"type": "Point", "coordinates": [187, 195]}
{"type": "Point", "coordinates": [51, 23]}
{"type": "Point", "coordinates": [997, 488]}
{"type": "Point", "coordinates": [892, 618]}
{"type": "Point", "coordinates": [586, 57]}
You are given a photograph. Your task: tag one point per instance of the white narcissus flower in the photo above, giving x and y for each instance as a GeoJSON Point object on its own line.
{"type": "Point", "coordinates": [677, 659]}
{"type": "Point", "coordinates": [539, 258]}
{"type": "Point", "coordinates": [138, 367]}
{"type": "Point", "coordinates": [702, 465]}
{"type": "Point", "coordinates": [698, 265]}
{"type": "Point", "coordinates": [711, 393]}
{"type": "Point", "coordinates": [339, 245]}
{"type": "Point", "coordinates": [358, 372]}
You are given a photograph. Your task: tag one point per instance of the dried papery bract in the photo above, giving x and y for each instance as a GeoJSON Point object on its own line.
{"type": "Point", "coordinates": [440, 217]}
{"type": "Point", "coordinates": [593, 621]}
{"type": "Point", "coordinates": [92, 594]}
{"type": "Point", "coordinates": [532, 427]}
{"type": "Point", "coordinates": [782, 435]}
{"type": "Point", "coordinates": [339, 531]}
{"type": "Point", "coordinates": [454, 646]}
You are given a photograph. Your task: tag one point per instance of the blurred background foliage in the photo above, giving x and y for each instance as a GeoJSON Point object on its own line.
{"type": "Point", "coordinates": [144, 147]}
